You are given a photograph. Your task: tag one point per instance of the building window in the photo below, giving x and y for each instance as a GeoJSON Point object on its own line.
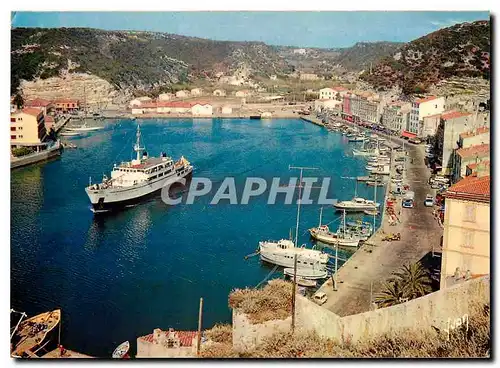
{"type": "Point", "coordinates": [12, 129]}
{"type": "Point", "coordinates": [12, 120]}
{"type": "Point", "coordinates": [468, 239]}
{"type": "Point", "coordinates": [470, 213]}
{"type": "Point", "coordinates": [12, 137]}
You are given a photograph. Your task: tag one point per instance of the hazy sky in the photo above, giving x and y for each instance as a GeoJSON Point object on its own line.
{"type": "Point", "coordinates": [311, 29]}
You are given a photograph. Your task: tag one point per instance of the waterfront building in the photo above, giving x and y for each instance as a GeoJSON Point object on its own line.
{"type": "Point", "coordinates": [466, 156]}
{"type": "Point", "coordinates": [430, 125]}
{"type": "Point", "coordinates": [196, 92]}
{"type": "Point", "coordinates": [226, 110]}
{"type": "Point", "coordinates": [361, 107]}
{"type": "Point", "coordinates": [327, 104]}
{"type": "Point", "coordinates": [182, 94]}
{"type": "Point", "coordinates": [167, 344]}
{"type": "Point", "coordinates": [454, 123]}
{"type": "Point", "coordinates": [219, 93]}
{"type": "Point", "coordinates": [341, 91]}
{"type": "Point", "coordinates": [327, 94]}
{"type": "Point", "coordinates": [46, 105]}
{"type": "Point", "coordinates": [421, 108]}
{"type": "Point", "coordinates": [27, 127]}
{"type": "Point", "coordinates": [202, 109]}
{"type": "Point", "coordinates": [466, 237]}
{"type": "Point", "coordinates": [67, 105]}
{"type": "Point", "coordinates": [395, 116]}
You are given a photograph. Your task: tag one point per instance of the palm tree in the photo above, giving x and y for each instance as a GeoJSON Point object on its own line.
{"type": "Point", "coordinates": [392, 294]}
{"type": "Point", "coordinates": [415, 280]}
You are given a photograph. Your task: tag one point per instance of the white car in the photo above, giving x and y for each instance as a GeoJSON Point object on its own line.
{"type": "Point", "coordinates": [429, 201]}
{"type": "Point", "coordinates": [320, 298]}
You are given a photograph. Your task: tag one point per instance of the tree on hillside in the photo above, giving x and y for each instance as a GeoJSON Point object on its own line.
{"type": "Point", "coordinates": [18, 101]}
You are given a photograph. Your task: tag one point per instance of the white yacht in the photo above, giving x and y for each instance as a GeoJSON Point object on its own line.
{"type": "Point", "coordinates": [356, 204]}
{"type": "Point", "coordinates": [341, 237]}
{"type": "Point", "coordinates": [282, 253]}
{"type": "Point", "coordinates": [132, 181]}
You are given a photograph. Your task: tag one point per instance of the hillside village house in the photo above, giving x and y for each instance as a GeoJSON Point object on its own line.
{"type": "Point", "coordinates": [219, 93]}
{"type": "Point", "coordinates": [422, 107]}
{"type": "Point", "coordinates": [309, 77]}
{"type": "Point", "coordinates": [341, 91]}
{"type": "Point", "coordinates": [174, 107]}
{"type": "Point", "coordinates": [300, 51]}
{"type": "Point", "coordinates": [466, 236]}
{"type": "Point", "coordinates": [27, 127]}
{"type": "Point", "coordinates": [67, 105]}
{"type": "Point", "coordinates": [196, 92]}
{"type": "Point", "coordinates": [182, 94]}
{"type": "Point", "coordinates": [327, 94]}
{"type": "Point", "coordinates": [166, 96]}
{"type": "Point", "coordinates": [273, 77]}
{"type": "Point", "coordinates": [202, 109]}
{"type": "Point", "coordinates": [466, 156]}
{"type": "Point", "coordinates": [243, 93]}
{"type": "Point", "coordinates": [168, 344]}
{"type": "Point", "coordinates": [46, 105]}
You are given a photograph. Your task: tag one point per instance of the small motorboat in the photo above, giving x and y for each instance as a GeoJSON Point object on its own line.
{"type": "Point", "coordinates": [69, 134]}
{"type": "Point", "coordinates": [121, 351]}
{"type": "Point", "coordinates": [308, 274]}
{"type": "Point", "coordinates": [371, 212]}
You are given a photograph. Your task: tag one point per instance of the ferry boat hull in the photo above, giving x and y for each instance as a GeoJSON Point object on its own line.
{"type": "Point", "coordinates": [107, 200]}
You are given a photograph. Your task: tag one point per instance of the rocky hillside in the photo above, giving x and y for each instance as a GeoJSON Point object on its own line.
{"type": "Point", "coordinates": [132, 60]}
{"type": "Point", "coordinates": [364, 54]}
{"type": "Point", "coordinates": [462, 50]}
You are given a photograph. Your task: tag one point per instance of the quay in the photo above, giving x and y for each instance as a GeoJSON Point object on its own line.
{"type": "Point", "coordinates": [364, 274]}
{"type": "Point", "coordinates": [314, 120]}
{"type": "Point", "coordinates": [68, 354]}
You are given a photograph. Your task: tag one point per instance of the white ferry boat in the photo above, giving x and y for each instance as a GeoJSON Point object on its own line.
{"type": "Point", "coordinates": [282, 253]}
{"type": "Point", "coordinates": [132, 181]}
{"type": "Point", "coordinates": [357, 204]}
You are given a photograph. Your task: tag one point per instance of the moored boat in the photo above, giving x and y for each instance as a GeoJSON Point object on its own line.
{"type": "Point", "coordinates": [121, 351]}
{"type": "Point", "coordinates": [306, 273]}
{"type": "Point", "coordinates": [34, 334]}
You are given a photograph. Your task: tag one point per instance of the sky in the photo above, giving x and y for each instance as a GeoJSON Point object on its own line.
{"type": "Point", "coordinates": [307, 29]}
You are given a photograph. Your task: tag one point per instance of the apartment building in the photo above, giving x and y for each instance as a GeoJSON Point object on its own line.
{"type": "Point", "coordinates": [421, 108]}
{"type": "Point", "coordinates": [27, 127]}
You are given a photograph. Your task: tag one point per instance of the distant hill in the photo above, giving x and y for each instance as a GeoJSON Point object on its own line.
{"type": "Point", "coordinates": [462, 50]}
{"type": "Point", "coordinates": [363, 54]}
{"type": "Point", "coordinates": [137, 60]}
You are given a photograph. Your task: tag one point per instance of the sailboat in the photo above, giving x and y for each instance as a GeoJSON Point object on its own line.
{"type": "Point", "coordinates": [341, 238]}
{"type": "Point", "coordinates": [284, 251]}
{"type": "Point", "coordinates": [84, 127]}
{"type": "Point", "coordinates": [357, 203]}
{"type": "Point", "coordinates": [365, 152]}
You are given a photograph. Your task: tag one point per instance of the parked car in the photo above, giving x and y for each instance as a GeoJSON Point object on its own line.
{"type": "Point", "coordinates": [429, 201]}
{"type": "Point", "coordinates": [320, 298]}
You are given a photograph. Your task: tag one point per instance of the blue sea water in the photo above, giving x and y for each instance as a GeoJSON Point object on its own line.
{"type": "Point", "coordinates": [119, 276]}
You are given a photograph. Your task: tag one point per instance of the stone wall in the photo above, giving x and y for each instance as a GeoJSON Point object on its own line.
{"type": "Point", "coordinates": [435, 309]}
{"type": "Point", "coordinates": [247, 335]}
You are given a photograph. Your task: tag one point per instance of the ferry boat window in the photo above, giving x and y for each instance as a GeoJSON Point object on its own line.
{"type": "Point", "coordinates": [154, 177]}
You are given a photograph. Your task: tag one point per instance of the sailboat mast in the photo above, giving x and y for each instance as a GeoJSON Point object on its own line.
{"type": "Point", "coordinates": [298, 209]}
{"type": "Point", "coordinates": [320, 215]}
{"type": "Point", "coordinates": [344, 223]}
{"type": "Point", "coordinates": [375, 200]}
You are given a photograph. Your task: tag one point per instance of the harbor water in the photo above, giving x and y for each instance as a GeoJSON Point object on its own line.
{"type": "Point", "coordinates": [119, 276]}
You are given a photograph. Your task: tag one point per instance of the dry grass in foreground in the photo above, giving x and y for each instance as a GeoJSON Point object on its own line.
{"type": "Point", "coordinates": [462, 343]}
{"type": "Point", "coordinates": [274, 301]}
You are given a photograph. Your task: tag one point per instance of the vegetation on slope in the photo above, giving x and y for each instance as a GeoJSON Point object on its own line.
{"type": "Point", "coordinates": [274, 301]}
{"type": "Point", "coordinates": [365, 54]}
{"type": "Point", "coordinates": [461, 50]}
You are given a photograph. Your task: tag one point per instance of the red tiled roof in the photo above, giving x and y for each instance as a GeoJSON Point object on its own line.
{"type": "Point", "coordinates": [185, 337]}
{"type": "Point", "coordinates": [66, 100]}
{"type": "Point", "coordinates": [38, 102]}
{"type": "Point", "coordinates": [35, 111]}
{"type": "Point", "coordinates": [473, 150]}
{"type": "Point", "coordinates": [474, 165]}
{"type": "Point", "coordinates": [473, 133]}
{"type": "Point", "coordinates": [432, 116]}
{"type": "Point", "coordinates": [339, 89]}
{"type": "Point", "coordinates": [471, 187]}
{"type": "Point", "coordinates": [426, 99]}
{"type": "Point", "coordinates": [454, 114]}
